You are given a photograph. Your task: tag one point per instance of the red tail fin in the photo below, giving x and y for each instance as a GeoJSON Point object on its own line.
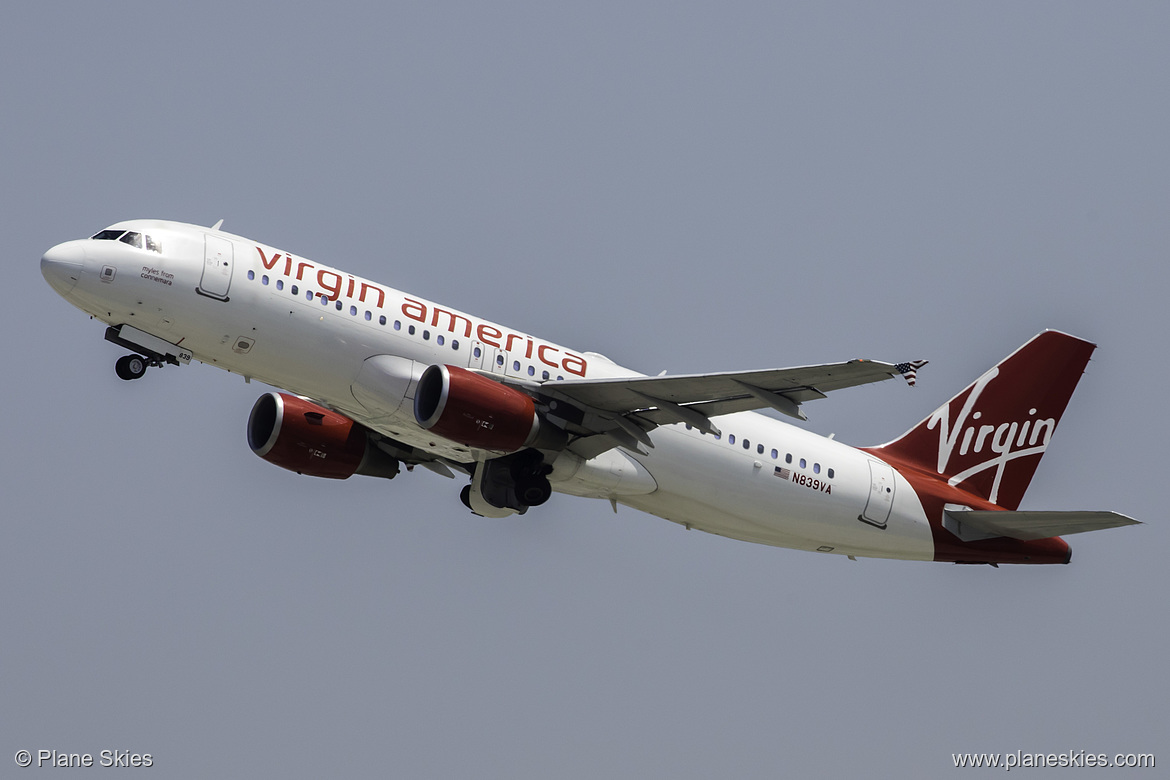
{"type": "Point", "coordinates": [988, 439]}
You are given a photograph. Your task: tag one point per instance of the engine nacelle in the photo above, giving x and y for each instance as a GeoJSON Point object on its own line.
{"type": "Point", "coordinates": [475, 411]}
{"type": "Point", "coordinates": [301, 436]}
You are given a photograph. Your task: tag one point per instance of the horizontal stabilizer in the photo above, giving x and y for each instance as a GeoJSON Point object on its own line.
{"type": "Point", "coordinates": [1029, 525]}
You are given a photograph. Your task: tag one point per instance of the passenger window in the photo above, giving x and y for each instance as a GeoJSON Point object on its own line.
{"type": "Point", "coordinates": [803, 463]}
{"type": "Point", "coordinates": [816, 468]}
{"type": "Point", "coordinates": [544, 375]}
{"type": "Point", "coordinates": [251, 274]}
{"type": "Point", "coordinates": [759, 449]}
{"type": "Point", "coordinates": [731, 438]}
{"type": "Point", "coordinates": [294, 290]}
{"type": "Point", "coordinates": [775, 454]}
{"type": "Point", "coordinates": [515, 365]}
{"type": "Point", "coordinates": [410, 329]}
{"type": "Point", "coordinates": [477, 352]}
{"type": "Point", "coordinates": [397, 325]}
{"type": "Point", "coordinates": [532, 371]}
{"type": "Point", "coordinates": [830, 473]}
{"type": "Point", "coordinates": [352, 310]}
{"type": "Point", "coordinates": [264, 280]}
{"type": "Point", "coordinates": [499, 360]}
{"type": "Point", "coordinates": [308, 295]}
{"type": "Point", "coordinates": [280, 284]}
{"type": "Point", "coordinates": [426, 335]}
{"type": "Point", "coordinates": [747, 445]}
{"type": "Point", "coordinates": [382, 319]}
{"type": "Point", "coordinates": [788, 458]}
{"type": "Point", "coordinates": [455, 345]}
{"type": "Point", "coordinates": [439, 339]}
{"type": "Point", "coordinates": [369, 316]}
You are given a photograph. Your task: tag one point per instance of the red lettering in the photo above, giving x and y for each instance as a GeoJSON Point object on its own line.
{"type": "Point", "coordinates": [508, 345]}
{"type": "Point", "coordinates": [540, 354]}
{"type": "Point", "coordinates": [381, 294]}
{"type": "Point", "coordinates": [301, 270]}
{"type": "Point", "coordinates": [335, 288]}
{"type": "Point", "coordinates": [484, 331]}
{"type": "Point", "coordinates": [415, 310]}
{"type": "Point", "coordinates": [452, 320]}
{"type": "Point", "coordinates": [270, 263]}
{"type": "Point", "coordinates": [573, 364]}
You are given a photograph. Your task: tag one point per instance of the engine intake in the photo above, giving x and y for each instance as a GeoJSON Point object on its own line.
{"type": "Point", "coordinates": [301, 436]}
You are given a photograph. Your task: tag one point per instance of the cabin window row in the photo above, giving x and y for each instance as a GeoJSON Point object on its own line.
{"type": "Point", "coordinates": [339, 305]}
{"type": "Point", "coordinates": [517, 366]}
{"type": "Point", "coordinates": [775, 453]}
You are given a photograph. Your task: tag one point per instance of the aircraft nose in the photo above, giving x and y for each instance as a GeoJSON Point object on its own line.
{"type": "Point", "coordinates": [61, 266]}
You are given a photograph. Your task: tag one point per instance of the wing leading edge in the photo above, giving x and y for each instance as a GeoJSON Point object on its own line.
{"type": "Point", "coordinates": [624, 409]}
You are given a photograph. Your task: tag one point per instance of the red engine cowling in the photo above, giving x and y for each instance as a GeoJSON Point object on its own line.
{"type": "Point", "coordinates": [473, 410]}
{"type": "Point", "coordinates": [301, 436]}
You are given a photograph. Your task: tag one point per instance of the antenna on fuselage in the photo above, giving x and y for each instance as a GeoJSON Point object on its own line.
{"type": "Point", "coordinates": [216, 225]}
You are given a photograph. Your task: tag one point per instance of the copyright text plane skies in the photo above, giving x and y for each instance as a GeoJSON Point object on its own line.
{"type": "Point", "coordinates": [377, 378]}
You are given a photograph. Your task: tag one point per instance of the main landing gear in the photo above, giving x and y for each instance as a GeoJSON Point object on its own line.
{"type": "Point", "coordinates": [133, 366]}
{"type": "Point", "coordinates": [508, 484]}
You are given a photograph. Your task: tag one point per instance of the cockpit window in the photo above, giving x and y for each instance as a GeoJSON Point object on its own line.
{"type": "Point", "coordinates": [131, 238]}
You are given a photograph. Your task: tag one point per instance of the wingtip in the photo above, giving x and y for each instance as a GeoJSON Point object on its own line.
{"type": "Point", "coordinates": [909, 370]}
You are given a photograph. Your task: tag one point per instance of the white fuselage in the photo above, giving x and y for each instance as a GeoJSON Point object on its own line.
{"type": "Point", "coordinates": [298, 325]}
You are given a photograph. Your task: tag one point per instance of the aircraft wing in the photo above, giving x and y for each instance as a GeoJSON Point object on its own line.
{"type": "Point", "coordinates": [626, 407]}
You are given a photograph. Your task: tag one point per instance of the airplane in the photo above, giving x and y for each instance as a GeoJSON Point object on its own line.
{"type": "Point", "coordinates": [372, 379]}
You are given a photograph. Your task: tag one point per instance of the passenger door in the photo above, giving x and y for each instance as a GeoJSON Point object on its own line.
{"type": "Point", "coordinates": [218, 260]}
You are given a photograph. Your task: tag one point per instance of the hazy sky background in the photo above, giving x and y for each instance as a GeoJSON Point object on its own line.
{"type": "Point", "coordinates": [681, 186]}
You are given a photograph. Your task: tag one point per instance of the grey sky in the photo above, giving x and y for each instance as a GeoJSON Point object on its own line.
{"type": "Point", "coordinates": [687, 187]}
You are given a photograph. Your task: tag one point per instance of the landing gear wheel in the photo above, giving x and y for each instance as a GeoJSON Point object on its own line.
{"type": "Point", "coordinates": [534, 491]}
{"type": "Point", "coordinates": [130, 367]}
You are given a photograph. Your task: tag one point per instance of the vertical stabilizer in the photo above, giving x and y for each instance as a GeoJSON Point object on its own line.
{"type": "Point", "coordinates": [988, 439]}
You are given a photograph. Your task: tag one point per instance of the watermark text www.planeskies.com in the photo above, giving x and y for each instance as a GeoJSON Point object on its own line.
{"type": "Point", "coordinates": [1069, 758]}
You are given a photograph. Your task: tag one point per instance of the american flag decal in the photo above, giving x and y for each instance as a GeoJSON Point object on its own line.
{"type": "Point", "coordinates": [910, 370]}
{"type": "Point", "coordinates": [782, 473]}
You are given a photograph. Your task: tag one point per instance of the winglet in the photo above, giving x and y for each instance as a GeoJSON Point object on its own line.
{"type": "Point", "coordinates": [910, 370]}
{"type": "Point", "coordinates": [216, 225]}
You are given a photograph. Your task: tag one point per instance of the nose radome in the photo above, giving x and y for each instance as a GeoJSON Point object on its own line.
{"type": "Point", "coordinates": [61, 266]}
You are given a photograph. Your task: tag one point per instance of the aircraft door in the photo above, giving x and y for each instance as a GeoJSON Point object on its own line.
{"type": "Point", "coordinates": [218, 259]}
{"type": "Point", "coordinates": [486, 358]}
{"type": "Point", "coordinates": [881, 495]}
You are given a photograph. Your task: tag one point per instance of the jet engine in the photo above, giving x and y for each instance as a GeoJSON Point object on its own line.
{"type": "Point", "coordinates": [475, 411]}
{"type": "Point", "coordinates": [301, 436]}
